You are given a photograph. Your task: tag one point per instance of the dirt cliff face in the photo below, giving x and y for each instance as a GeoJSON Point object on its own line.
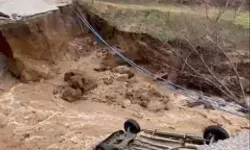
{"type": "Point", "coordinates": [194, 62]}
{"type": "Point", "coordinates": [37, 43]}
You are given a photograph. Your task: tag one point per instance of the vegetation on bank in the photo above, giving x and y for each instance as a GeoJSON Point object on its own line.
{"type": "Point", "coordinates": [169, 22]}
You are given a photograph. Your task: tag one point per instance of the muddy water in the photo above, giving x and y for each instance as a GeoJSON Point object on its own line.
{"type": "Point", "coordinates": [32, 117]}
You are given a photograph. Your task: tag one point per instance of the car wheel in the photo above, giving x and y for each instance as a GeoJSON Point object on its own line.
{"type": "Point", "coordinates": [214, 133]}
{"type": "Point", "coordinates": [132, 126]}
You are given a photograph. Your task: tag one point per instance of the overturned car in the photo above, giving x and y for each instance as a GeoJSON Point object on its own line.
{"type": "Point", "coordinates": [135, 138]}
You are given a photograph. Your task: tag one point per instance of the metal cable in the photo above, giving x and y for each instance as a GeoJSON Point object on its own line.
{"type": "Point", "coordinates": [170, 85]}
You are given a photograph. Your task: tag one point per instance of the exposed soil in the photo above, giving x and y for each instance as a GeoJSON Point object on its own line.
{"type": "Point", "coordinates": [158, 58]}
{"type": "Point", "coordinates": [33, 116]}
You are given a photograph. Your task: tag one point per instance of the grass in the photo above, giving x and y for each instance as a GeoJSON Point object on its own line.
{"type": "Point", "coordinates": [242, 18]}
{"type": "Point", "coordinates": [170, 22]}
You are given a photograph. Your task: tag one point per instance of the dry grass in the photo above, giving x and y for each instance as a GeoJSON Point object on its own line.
{"type": "Point", "coordinates": [242, 18]}
{"type": "Point", "coordinates": [170, 22]}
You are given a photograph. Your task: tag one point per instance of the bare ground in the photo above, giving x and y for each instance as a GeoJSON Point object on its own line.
{"type": "Point", "coordinates": [33, 116]}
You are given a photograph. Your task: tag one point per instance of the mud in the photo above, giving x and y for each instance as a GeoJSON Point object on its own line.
{"type": "Point", "coordinates": [77, 84]}
{"type": "Point", "coordinates": [32, 117]}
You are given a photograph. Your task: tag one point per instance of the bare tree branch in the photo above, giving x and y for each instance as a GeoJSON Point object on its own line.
{"type": "Point", "coordinates": [234, 68]}
{"type": "Point", "coordinates": [185, 62]}
{"type": "Point", "coordinates": [209, 70]}
{"type": "Point", "coordinates": [222, 10]}
{"type": "Point", "coordinates": [199, 74]}
{"type": "Point", "coordinates": [206, 8]}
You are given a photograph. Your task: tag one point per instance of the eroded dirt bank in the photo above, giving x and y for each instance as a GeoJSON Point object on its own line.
{"type": "Point", "coordinates": [178, 60]}
{"type": "Point", "coordinates": [34, 116]}
{"type": "Point", "coordinates": [36, 43]}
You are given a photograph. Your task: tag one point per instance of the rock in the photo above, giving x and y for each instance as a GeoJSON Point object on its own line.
{"type": "Point", "coordinates": [143, 104]}
{"type": "Point", "coordinates": [129, 94]}
{"type": "Point", "coordinates": [80, 80]}
{"type": "Point", "coordinates": [77, 83]}
{"type": "Point", "coordinates": [132, 81]}
{"type": "Point", "coordinates": [123, 70]}
{"type": "Point", "coordinates": [101, 68]}
{"type": "Point", "coordinates": [110, 98]}
{"type": "Point", "coordinates": [71, 73]}
{"type": "Point", "coordinates": [71, 95]}
{"type": "Point", "coordinates": [122, 77]}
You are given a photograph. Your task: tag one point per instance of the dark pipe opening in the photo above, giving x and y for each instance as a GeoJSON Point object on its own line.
{"type": "Point", "coordinates": [6, 55]}
{"type": "Point", "coordinates": [5, 47]}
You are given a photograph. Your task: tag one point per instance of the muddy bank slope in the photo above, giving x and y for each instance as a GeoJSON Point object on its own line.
{"type": "Point", "coordinates": [35, 43]}
{"type": "Point", "coordinates": [185, 62]}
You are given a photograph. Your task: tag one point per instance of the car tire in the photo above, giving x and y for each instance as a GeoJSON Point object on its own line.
{"type": "Point", "coordinates": [218, 132]}
{"type": "Point", "coordinates": [132, 126]}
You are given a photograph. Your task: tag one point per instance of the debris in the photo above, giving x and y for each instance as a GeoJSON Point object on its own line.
{"type": "Point", "coordinates": [71, 95]}
{"type": "Point", "coordinates": [121, 77]}
{"type": "Point", "coordinates": [123, 70]}
{"type": "Point", "coordinates": [206, 104]}
{"type": "Point", "coordinates": [77, 84]}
